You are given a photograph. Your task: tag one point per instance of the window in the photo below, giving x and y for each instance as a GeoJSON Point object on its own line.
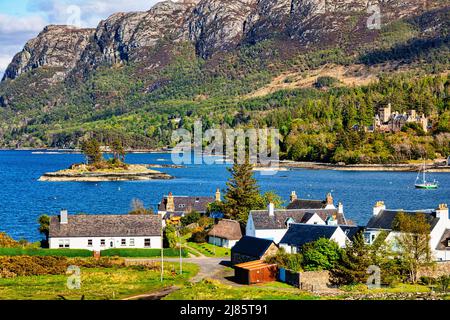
{"type": "Point", "coordinates": [89, 242]}
{"type": "Point", "coordinates": [123, 242]}
{"type": "Point", "coordinates": [367, 238]}
{"type": "Point", "coordinates": [147, 243]}
{"type": "Point", "coordinates": [102, 242]}
{"type": "Point", "coordinates": [131, 242]}
{"type": "Point", "coordinates": [66, 243]}
{"type": "Point", "coordinates": [61, 243]}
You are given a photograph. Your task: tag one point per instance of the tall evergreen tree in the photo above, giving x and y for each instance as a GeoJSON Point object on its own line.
{"type": "Point", "coordinates": [352, 268]}
{"type": "Point", "coordinates": [242, 194]}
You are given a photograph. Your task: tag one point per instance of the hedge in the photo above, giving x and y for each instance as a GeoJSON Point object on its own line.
{"type": "Point", "coordinates": [143, 253]}
{"type": "Point", "coordinates": [70, 253]}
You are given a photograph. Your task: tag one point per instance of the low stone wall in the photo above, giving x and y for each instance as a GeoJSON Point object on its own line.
{"type": "Point", "coordinates": [308, 280]}
{"type": "Point", "coordinates": [439, 269]}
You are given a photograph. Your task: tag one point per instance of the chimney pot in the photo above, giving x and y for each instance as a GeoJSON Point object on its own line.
{"type": "Point", "coordinates": [218, 196]}
{"type": "Point", "coordinates": [293, 196]}
{"type": "Point", "coordinates": [271, 208]}
{"type": "Point", "coordinates": [64, 217]}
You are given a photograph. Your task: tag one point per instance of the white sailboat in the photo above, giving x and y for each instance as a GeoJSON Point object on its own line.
{"type": "Point", "coordinates": [424, 184]}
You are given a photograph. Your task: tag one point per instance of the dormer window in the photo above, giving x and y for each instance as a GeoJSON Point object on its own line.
{"type": "Point", "coordinates": [289, 221]}
{"type": "Point", "coordinates": [448, 243]}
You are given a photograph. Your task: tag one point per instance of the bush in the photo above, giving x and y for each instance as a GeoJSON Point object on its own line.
{"type": "Point", "coordinates": [190, 218]}
{"type": "Point", "coordinates": [103, 262]}
{"type": "Point", "coordinates": [199, 237]}
{"type": "Point", "coordinates": [142, 253]}
{"type": "Point", "coordinates": [32, 266]}
{"type": "Point", "coordinates": [70, 253]}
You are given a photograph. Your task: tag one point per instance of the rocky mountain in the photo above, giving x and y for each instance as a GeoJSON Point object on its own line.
{"type": "Point", "coordinates": [210, 25]}
{"type": "Point", "coordinates": [196, 50]}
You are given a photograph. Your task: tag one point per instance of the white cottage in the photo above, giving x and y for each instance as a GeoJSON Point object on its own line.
{"type": "Point", "coordinates": [300, 234]}
{"type": "Point", "coordinates": [100, 232]}
{"type": "Point", "coordinates": [272, 223]}
{"type": "Point", "coordinates": [383, 219]}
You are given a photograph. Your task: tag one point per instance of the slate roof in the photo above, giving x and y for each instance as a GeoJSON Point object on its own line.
{"type": "Point", "coordinates": [226, 229]}
{"type": "Point", "coordinates": [299, 234]}
{"type": "Point", "coordinates": [307, 204]}
{"type": "Point", "coordinates": [251, 246]}
{"type": "Point", "coordinates": [385, 218]}
{"type": "Point", "coordinates": [351, 231]}
{"type": "Point", "coordinates": [442, 245]}
{"type": "Point", "coordinates": [262, 219]}
{"type": "Point", "coordinates": [106, 226]}
{"type": "Point", "coordinates": [187, 203]}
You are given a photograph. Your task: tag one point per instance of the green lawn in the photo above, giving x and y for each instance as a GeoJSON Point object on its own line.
{"type": "Point", "coordinates": [96, 284]}
{"type": "Point", "coordinates": [212, 290]}
{"type": "Point", "coordinates": [210, 250]}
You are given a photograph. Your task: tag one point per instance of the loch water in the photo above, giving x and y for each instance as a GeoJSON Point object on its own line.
{"type": "Point", "coordinates": [23, 198]}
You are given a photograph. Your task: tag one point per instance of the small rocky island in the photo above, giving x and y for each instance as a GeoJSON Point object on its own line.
{"type": "Point", "coordinates": [84, 173]}
{"type": "Point", "coordinates": [97, 169]}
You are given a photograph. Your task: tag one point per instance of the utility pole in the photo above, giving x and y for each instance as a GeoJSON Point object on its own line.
{"type": "Point", "coordinates": [162, 252]}
{"type": "Point", "coordinates": [181, 258]}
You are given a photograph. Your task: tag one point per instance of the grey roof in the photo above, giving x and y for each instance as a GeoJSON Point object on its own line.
{"type": "Point", "coordinates": [299, 234]}
{"type": "Point", "coordinates": [262, 219]}
{"type": "Point", "coordinates": [386, 218]}
{"type": "Point", "coordinates": [442, 245]}
{"type": "Point", "coordinates": [187, 203]}
{"type": "Point", "coordinates": [307, 204]}
{"type": "Point", "coordinates": [351, 231]}
{"type": "Point", "coordinates": [106, 226]}
{"type": "Point", "coordinates": [251, 246]}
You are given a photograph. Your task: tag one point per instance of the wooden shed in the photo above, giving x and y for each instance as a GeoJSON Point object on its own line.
{"type": "Point", "coordinates": [254, 272]}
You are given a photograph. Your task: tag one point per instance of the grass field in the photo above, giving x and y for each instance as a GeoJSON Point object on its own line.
{"type": "Point", "coordinates": [212, 290]}
{"type": "Point", "coordinates": [210, 250]}
{"type": "Point", "coordinates": [96, 284]}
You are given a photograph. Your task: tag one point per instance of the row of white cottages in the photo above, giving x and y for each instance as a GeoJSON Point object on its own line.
{"type": "Point", "coordinates": [301, 222]}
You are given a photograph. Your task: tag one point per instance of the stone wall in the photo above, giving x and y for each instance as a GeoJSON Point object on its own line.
{"type": "Point", "coordinates": [439, 269]}
{"type": "Point", "coordinates": [309, 280]}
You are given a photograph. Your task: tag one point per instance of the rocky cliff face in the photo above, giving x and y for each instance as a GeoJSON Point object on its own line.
{"type": "Point", "coordinates": [55, 46]}
{"type": "Point", "coordinates": [210, 25]}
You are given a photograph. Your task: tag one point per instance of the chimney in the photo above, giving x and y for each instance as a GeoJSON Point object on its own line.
{"type": "Point", "coordinates": [442, 212]}
{"type": "Point", "coordinates": [64, 217]}
{"type": "Point", "coordinates": [271, 208]}
{"type": "Point", "coordinates": [329, 199]}
{"type": "Point", "coordinates": [340, 208]}
{"type": "Point", "coordinates": [293, 196]}
{"type": "Point", "coordinates": [218, 196]}
{"type": "Point", "coordinates": [379, 206]}
{"type": "Point", "coordinates": [170, 206]}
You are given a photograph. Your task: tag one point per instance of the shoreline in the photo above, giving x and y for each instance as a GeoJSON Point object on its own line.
{"type": "Point", "coordinates": [364, 167]}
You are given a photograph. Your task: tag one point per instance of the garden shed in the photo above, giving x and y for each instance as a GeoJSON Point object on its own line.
{"type": "Point", "coordinates": [254, 272]}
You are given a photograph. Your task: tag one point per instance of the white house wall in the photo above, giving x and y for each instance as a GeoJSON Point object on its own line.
{"type": "Point", "coordinates": [271, 234]}
{"type": "Point", "coordinates": [82, 243]}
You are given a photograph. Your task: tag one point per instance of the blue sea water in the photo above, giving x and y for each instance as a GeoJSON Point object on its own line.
{"type": "Point", "coordinates": [23, 198]}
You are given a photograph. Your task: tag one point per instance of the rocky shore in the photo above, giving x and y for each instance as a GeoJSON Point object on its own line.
{"type": "Point", "coordinates": [363, 167]}
{"type": "Point", "coordinates": [79, 174]}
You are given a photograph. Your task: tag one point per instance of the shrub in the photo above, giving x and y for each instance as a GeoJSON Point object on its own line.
{"type": "Point", "coordinates": [142, 253]}
{"type": "Point", "coordinates": [322, 254]}
{"type": "Point", "coordinates": [32, 266]}
{"type": "Point", "coordinates": [190, 218]}
{"type": "Point", "coordinates": [103, 262]}
{"type": "Point", "coordinates": [199, 237]}
{"type": "Point", "coordinates": [7, 242]}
